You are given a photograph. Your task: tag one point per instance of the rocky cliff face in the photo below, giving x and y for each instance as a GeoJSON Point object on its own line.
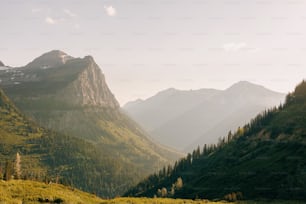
{"type": "Point", "coordinates": [89, 88]}
{"type": "Point", "coordinates": [59, 77]}
{"type": "Point", "coordinates": [1, 64]}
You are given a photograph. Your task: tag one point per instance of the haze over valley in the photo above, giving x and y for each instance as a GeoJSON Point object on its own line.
{"type": "Point", "coordinates": [204, 115]}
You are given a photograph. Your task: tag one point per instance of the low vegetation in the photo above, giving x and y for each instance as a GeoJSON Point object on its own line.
{"type": "Point", "coordinates": [32, 192]}
{"type": "Point", "coordinates": [20, 191]}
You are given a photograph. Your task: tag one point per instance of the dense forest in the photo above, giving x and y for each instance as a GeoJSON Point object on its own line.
{"type": "Point", "coordinates": [264, 159]}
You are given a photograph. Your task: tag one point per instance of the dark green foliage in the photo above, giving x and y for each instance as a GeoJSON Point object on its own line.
{"type": "Point", "coordinates": [264, 159]}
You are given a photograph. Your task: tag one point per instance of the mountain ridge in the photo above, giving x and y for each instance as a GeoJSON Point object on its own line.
{"type": "Point", "coordinates": [170, 116]}
{"type": "Point", "coordinates": [261, 160]}
{"type": "Point", "coordinates": [50, 59]}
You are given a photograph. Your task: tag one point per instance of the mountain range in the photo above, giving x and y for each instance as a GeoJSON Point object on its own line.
{"type": "Point", "coordinates": [186, 119]}
{"type": "Point", "coordinates": [264, 159]}
{"type": "Point", "coordinates": [69, 96]}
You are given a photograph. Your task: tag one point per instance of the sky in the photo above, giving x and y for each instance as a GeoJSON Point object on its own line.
{"type": "Point", "coordinates": [145, 46]}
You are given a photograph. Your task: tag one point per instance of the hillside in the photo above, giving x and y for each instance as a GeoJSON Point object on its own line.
{"type": "Point", "coordinates": [50, 156]}
{"type": "Point", "coordinates": [262, 160]}
{"type": "Point", "coordinates": [204, 115]}
{"type": "Point", "coordinates": [17, 191]}
{"type": "Point", "coordinates": [71, 97]}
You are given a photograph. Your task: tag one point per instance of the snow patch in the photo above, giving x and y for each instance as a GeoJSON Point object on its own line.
{"type": "Point", "coordinates": [3, 68]}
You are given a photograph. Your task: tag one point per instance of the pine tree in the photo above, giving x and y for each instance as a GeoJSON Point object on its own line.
{"type": "Point", "coordinates": [229, 136]}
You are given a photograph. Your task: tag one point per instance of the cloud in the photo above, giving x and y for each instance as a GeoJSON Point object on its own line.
{"type": "Point", "coordinates": [50, 20]}
{"type": "Point", "coordinates": [36, 10]}
{"type": "Point", "coordinates": [69, 13]}
{"type": "Point", "coordinates": [77, 26]}
{"type": "Point", "coordinates": [234, 47]}
{"type": "Point", "coordinates": [254, 50]}
{"type": "Point", "coordinates": [110, 10]}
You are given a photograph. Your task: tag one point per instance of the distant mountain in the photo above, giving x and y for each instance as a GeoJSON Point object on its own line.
{"type": "Point", "coordinates": [165, 106]}
{"type": "Point", "coordinates": [70, 96]}
{"type": "Point", "coordinates": [3, 67]}
{"type": "Point", "coordinates": [264, 159]}
{"type": "Point", "coordinates": [186, 119]}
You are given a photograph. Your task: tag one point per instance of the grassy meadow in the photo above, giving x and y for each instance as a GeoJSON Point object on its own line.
{"type": "Point", "coordinates": [32, 192]}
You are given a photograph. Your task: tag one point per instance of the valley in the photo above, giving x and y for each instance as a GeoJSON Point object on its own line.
{"type": "Point", "coordinates": [62, 129]}
{"type": "Point", "coordinates": [152, 102]}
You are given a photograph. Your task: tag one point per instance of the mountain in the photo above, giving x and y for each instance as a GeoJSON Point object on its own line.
{"type": "Point", "coordinates": [164, 106]}
{"type": "Point", "coordinates": [71, 97]}
{"type": "Point", "coordinates": [186, 119]}
{"type": "Point", "coordinates": [3, 67]}
{"type": "Point", "coordinates": [50, 59]}
{"type": "Point", "coordinates": [262, 160]}
{"type": "Point", "coordinates": [70, 82]}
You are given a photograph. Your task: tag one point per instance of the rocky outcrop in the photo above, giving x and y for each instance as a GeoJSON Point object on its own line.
{"type": "Point", "coordinates": [1, 64]}
{"type": "Point", "coordinates": [89, 88]}
{"type": "Point", "coordinates": [58, 77]}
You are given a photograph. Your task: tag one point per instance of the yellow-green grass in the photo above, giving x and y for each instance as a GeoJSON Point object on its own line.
{"type": "Point", "coordinates": [185, 201]}
{"type": "Point", "coordinates": [19, 191]}
{"type": "Point", "coordinates": [28, 192]}
{"type": "Point", "coordinates": [158, 201]}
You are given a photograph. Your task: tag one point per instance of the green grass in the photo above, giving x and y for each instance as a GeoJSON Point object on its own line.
{"type": "Point", "coordinates": [18, 191]}
{"type": "Point", "coordinates": [32, 192]}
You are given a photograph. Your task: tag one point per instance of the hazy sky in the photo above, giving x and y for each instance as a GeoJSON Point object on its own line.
{"type": "Point", "coordinates": [145, 46]}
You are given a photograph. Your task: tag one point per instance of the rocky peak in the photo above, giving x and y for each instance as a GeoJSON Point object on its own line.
{"type": "Point", "coordinates": [74, 81]}
{"type": "Point", "coordinates": [50, 59]}
{"type": "Point", "coordinates": [1, 64]}
{"type": "Point", "coordinates": [89, 88]}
